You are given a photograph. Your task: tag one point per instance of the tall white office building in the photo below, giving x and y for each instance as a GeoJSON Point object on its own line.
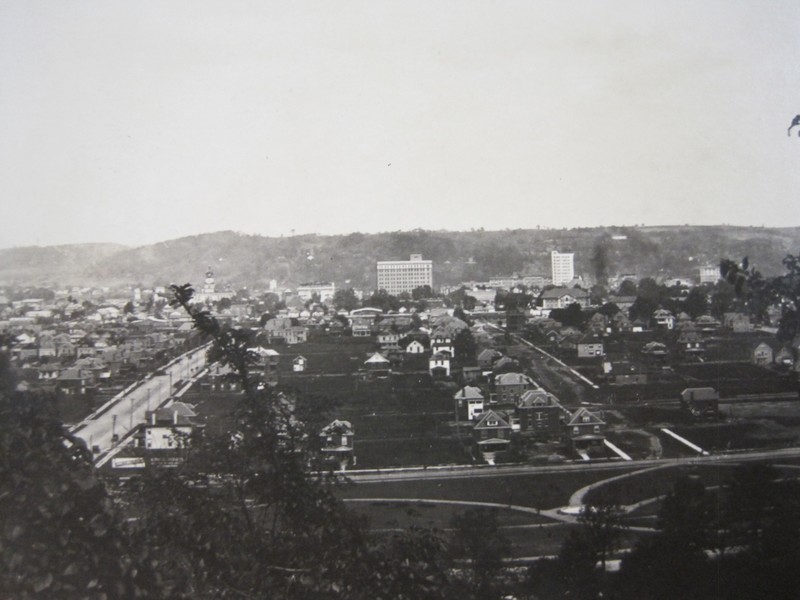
{"type": "Point", "coordinates": [397, 276]}
{"type": "Point", "coordinates": [563, 267]}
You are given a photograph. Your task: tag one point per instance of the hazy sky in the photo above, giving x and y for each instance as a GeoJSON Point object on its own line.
{"type": "Point", "coordinates": [137, 122]}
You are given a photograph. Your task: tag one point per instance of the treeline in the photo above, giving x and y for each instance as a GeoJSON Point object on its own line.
{"type": "Point", "coordinates": [349, 260]}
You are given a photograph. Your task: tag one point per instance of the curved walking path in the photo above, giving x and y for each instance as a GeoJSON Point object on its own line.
{"type": "Point", "coordinates": [577, 498]}
{"type": "Point", "coordinates": [551, 513]}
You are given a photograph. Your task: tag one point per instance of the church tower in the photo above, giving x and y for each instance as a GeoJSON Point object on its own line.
{"type": "Point", "coordinates": [209, 287]}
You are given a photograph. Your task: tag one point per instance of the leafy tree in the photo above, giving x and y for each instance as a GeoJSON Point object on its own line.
{"type": "Point", "coordinates": [602, 529]}
{"type": "Point", "coordinates": [512, 301]}
{"type": "Point", "coordinates": [61, 534]}
{"type": "Point", "coordinates": [423, 291]}
{"type": "Point", "coordinates": [696, 303]}
{"type": "Point", "coordinates": [572, 316]}
{"type": "Point", "coordinates": [128, 308]}
{"type": "Point", "coordinates": [786, 290]}
{"type": "Point", "coordinates": [465, 346]}
{"type": "Point", "coordinates": [723, 299]}
{"type": "Point", "coordinates": [477, 538]}
{"type": "Point", "coordinates": [459, 313]}
{"type": "Point", "coordinates": [609, 309]}
{"type": "Point", "coordinates": [460, 297]}
{"type": "Point", "coordinates": [383, 300]}
{"type": "Point", "coordinates": [627, 288]}
{"type": "Point", "coordinates": [758, 294]}
{"type": "Point", "coordinates": [345, 299]}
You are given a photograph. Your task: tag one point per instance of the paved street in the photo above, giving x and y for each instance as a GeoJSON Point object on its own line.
{"type": "Point", "coordinates": [127, 411]}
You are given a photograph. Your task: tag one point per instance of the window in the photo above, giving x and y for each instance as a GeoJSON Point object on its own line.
{"type": "Point", "coordinates": [597, 428]}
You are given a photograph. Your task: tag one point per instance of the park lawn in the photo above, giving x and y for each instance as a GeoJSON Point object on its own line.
{"type": "Point", "coordinates": [651, 484]}
{"type": "Point", "coordinates": [740, 435]}
{"type": "Point", "coordinates": [528, 534]}
{"type": "Point", "coordinates": [409, 452]}
{"type": "Point", "coordinates": [542, 490]}
{"type": "Point", "coordinates": [404, 514]}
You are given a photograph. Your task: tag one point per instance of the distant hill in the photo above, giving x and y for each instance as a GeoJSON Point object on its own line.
{"type": "Point", "coordinates": [238, 259]}
{"type": "Point", "coordinates": [48, 265]}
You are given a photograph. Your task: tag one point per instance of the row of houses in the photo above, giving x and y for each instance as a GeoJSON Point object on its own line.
{"type": "Point", "coordinates": [532, 412]}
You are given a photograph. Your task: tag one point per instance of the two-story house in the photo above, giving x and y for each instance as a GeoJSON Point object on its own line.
{"type": "Point", "coordinates": [469, 403]}
{"type": "Point", "coordinates": [541, 413]}
{"type": "Point", "coordinates": [337, 443]}
{"type": "Point", "coordinates": [509, 387]}
{"type": "Point", "coordinates": [585, 430]}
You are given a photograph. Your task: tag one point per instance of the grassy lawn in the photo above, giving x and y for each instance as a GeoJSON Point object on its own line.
{"type": "Point", "coordinates": [543, 490]}
{"type": "Point", "coordinates": [528, 534]}
{"type": "Point", "coordinates": [642, 486]}
{"type": "Point", "coordinates": [761, 433]}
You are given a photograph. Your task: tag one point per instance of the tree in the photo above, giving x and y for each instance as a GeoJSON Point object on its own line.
{"type": "Point", "coordinates": [383, 300]}
{"type": "Point", "coordinates": [609, 309]}
{"type": "Point", "coordinates": [723, 299]}
{"type": "Point", "coordinates": [423, 291]}
{"type": "Point", "coordinates": [602, 529]}
{"type": "Point", "coordinates": [460, 297]}
{"type": "Point", "coordinates": [758, 294]}
{"type": "Point", "coordinates": [62, 536]}
{"type": "Point", "coordinates": [345, 299]}
{"type": "Point", "coordinates": [696, 303]}
{"type": "Point", "coordinates": [627, 288]}
{"type": "Point", "coordinates": [476, 537]}
{"type": "Point", "coordinates": [786, 290]}
{"type": "Point", "coordinates": [465, 346]}
{"type": "Point", "coordinates": [459, 313]}
{"type": "Point", "coordinates": [572, 316]}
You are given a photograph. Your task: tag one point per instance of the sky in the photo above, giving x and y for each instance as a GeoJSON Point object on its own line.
{"type": "Point", "coordinates": [138, 122]}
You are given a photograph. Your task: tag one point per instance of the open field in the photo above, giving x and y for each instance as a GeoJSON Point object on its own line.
{"type": "Point", "coordinates": [534, 490]}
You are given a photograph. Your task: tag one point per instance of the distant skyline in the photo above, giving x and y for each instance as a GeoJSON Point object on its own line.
{"type": "Point", "coordinates": [139, 122]}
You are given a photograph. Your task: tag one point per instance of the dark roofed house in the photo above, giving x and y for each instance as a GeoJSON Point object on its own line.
{"type": "Point", "coordinates": [469, 402]}
{"type": "Point", "coordinates": [492, 433]}
{"type": "Point", "coordinates": [540, 412]}
{"type": "Point", "coordinates": [585, 430]}
{"type": "Point", "coordinates": [337, 443]}
{"type": "Point", "coordinates": [509, 387]}
{"type": "Point", "coordinates": [737, 322]}
{"type": "Point", "coordinates": [690, 343]}
{"type": "Point", "coordinates": [487, 358]}
{"type": "Point", "coordinates": [624, 372]}
{"type": "Point", "coordinates": [762, 354]}
{"type": "Point", "coordinates": [700, 402]}
{"type": "Point", "coordinates": [590, 346]}
{"type": "Point", "coordinates": [655, 349]}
